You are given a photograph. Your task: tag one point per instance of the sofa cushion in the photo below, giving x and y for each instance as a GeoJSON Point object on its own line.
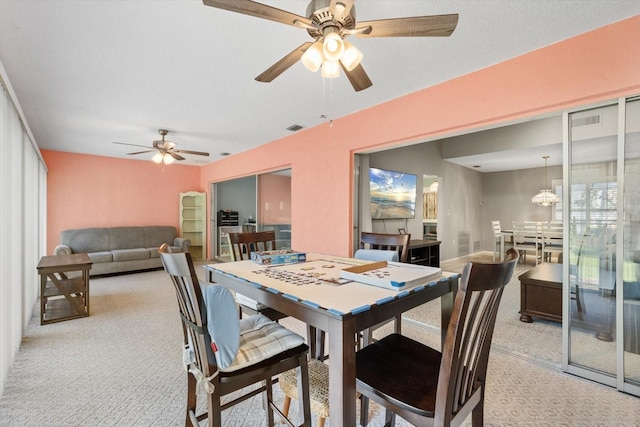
{"type": "Point", "coordinates": [130, 254]}
{"type": "Point", "coordinates": [98, 257]}
{"type": "Point", "coordinates": [86, 239]}
{"type": "Point", "coordinates": [155, 254]}
{"type": "Point", "coordinates": [126, 238]}
{"type": "Point", "coordinates": [156, 235]}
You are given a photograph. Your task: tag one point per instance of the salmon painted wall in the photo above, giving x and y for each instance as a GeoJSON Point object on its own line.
{"type": "Point", "coordinates": [599, 65]}
{"type": "Point", "coordinates": [274, 199]}
{"type": "Point", "coordinates": [96, 191]}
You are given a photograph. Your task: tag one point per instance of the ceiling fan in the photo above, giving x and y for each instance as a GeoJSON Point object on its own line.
{"type": "Point", "coordinates": [167, 153]}
{"type": "Point", "coordinates": [329, 22]}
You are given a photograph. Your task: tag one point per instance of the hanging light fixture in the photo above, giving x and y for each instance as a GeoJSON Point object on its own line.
{"type": "Point", "coordinates": [328, 52]}
{"type": "Point", "coordinates": [545, 197]}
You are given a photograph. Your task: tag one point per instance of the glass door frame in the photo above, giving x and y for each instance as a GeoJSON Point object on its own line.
{"type": "Point", "coordinates": [617, 381]}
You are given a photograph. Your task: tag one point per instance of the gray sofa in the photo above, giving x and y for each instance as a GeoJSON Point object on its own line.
{"type": "Point", "coordinates": [121, 249]}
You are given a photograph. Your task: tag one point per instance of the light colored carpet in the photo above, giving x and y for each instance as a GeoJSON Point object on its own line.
{"type": "Point", "coordinates": [122, 367]}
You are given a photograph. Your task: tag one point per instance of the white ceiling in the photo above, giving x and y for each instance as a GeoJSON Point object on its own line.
{"type": "Point", "coordinates": [88, 73]}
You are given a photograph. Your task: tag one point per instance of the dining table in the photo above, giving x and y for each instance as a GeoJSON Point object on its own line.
{"type": "Point", "coordinates": [314, 292]}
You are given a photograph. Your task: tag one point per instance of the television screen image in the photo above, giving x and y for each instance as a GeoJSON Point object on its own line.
{"type": "Point", "coordinates": [393, 194]}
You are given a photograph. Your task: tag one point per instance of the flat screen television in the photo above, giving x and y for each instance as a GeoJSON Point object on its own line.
{"type": "Point", "coordinates": [393, 194]}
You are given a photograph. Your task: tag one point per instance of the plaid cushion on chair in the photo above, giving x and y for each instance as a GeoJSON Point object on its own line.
{"type": "Point", "coordinates": [261, 338]}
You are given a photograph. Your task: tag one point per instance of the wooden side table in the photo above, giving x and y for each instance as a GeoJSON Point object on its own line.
{"type": "Point", "coordinates": [63, 297]}
{"type": "Point", "coordinates": [541, 293]}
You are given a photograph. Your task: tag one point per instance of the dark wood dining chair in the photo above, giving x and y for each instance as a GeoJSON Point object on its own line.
{"type": "Point", "coordinates": [426, 386]}
{"type": "Point", "coordinates": [385, 242]}
{"type": "Point", "coordinates": [242, 245]}
{"type": "Point", "coordinates": [225, 354]}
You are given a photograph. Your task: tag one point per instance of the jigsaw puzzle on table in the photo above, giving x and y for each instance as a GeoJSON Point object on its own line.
{"type": "Point", "coordinates": [317, 272]}
{"type": "Point", "coordinates": [392, 275]}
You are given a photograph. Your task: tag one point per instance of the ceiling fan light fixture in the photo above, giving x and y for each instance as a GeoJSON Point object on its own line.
{"type": "Point", "coordinates": [330, 69]}
{"type": "Point", "coordinates": [167, 159]}
{"type": "Point", "coordinates": [312, 57]}
{"type": "Point", "coordinates": [157, 158]}
{"type": "Point", "coordinates": [351, 57]}
{"type": "Point", "coordinates": [333, 46]}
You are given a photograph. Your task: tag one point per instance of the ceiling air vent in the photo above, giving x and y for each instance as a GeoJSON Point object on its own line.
{"type": "Point", "coordinates": [585, 121]}
{"type": "Point", "coordinates": [294, 128]}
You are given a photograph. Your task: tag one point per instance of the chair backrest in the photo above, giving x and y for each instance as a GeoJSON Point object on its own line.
{"type": "Point", "coordinates": [191, 307]}
{"type": "Point", "coordinates": [552, 233]}
{"type": "Point", "coordinates": [497, 230]}
{"type": "Point", "coordinates": [387, 242]}
{"type": "Point", "coordinates": [243, 244]}
{"type": "Point", "coordinates": [466, 349]}
{"type": "Point", "coordinates": [525, 232]}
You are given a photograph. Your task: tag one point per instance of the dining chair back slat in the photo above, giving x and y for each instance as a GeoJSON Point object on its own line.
{"type": "Point", "coordinates": [243, 244]}
{"type": "Point", "coordinates": [387, 242]}
{"type": "Point", "coordinates": [551, 239]}
{"type": "Point", "coordinates": [526, 238]}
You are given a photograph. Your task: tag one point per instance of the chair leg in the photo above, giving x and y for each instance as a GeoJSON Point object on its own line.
{"type": "Point", "coordinates": [477, 415]}
{"type": "Point", "coordinates": [364, 411]}
{"type": "Point", "coordinates": [192, 398]}
{"type": "Point", "coordinates": [286, 405]}
{"type": "Point", "coordinates": [302, 372]}
{"type": "Point", "coordinates": [267, 399]}
{"type": "Point", "coordinates": [213, 406]}
{"type": "Point", "coordinates": [389, 418]}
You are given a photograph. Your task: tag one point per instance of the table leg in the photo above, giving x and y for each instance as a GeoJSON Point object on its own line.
{"type": "Point", "coordinates": [85, 275]}
{"type": "Point", "coordinates": [342, 373]}
{"type": "Point", "coordinates": [43, 300]}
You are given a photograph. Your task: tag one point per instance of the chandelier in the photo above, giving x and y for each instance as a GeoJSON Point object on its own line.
{"type": "Point", "coordinates": [545, 197]}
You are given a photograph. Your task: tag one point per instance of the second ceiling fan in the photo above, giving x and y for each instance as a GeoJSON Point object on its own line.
{"type": "Point", "coordinates": [329, 22]}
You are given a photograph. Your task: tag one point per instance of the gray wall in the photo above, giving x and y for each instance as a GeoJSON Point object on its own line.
{"type": "Point", "coordinates": [238, 195]}
{"type": "Point", "coordinates": [507, 198]}
{"type": "Point", "coordinates": [459, 197]}
{"type": "Point", "coordinates": [468, 200]}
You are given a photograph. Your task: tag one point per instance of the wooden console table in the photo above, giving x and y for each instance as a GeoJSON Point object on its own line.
{"type": "Point", "coordinates": [541, 293]}
{"type": "Point", "coordinates": [425, 252]}
{"type": "Point", "coordinates": [63, 297]}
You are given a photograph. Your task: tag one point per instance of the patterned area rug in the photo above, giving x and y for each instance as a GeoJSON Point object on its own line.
{"type": "Point", "coordinates": [122, 366]}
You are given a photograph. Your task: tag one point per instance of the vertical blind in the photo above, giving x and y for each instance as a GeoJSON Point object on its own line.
{"type": "Point", "coordinates": [22, 226]}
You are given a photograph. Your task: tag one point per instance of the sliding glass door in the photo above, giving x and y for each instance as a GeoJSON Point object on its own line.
{"type": "Point", "coordinates": [602, 328]}
{"type": "Point", "coordinates": [629, 301]}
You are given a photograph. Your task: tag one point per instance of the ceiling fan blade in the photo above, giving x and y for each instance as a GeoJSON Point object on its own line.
{"type": "Point", "coordinates": [141, 152]}
{"type": "Point", "coordinates": [197, 153]}
{"type": "Point", "coordinates": [347, 4]}
{"type": "Point", "coordinates": [133, 145]}
{"type": "Point", "coordinates": [281, 66]}
{"type": "Point", "coordinates": [357, 77]}
{"type": "Point", "coordinates": [174, 155]}
{"type": "Point", "coordinates": [258, 10]}
{"type": "Point", "coordinates": [417, 26]}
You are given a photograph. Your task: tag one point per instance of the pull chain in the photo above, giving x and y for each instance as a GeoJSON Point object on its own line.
{"type": "Point", "coordinates": [326, 114]}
